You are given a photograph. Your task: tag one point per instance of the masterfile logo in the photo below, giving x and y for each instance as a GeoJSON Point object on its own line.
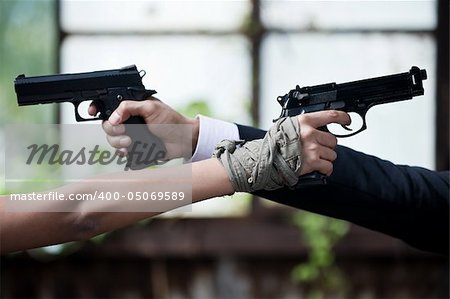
{"type": "Point", "coordinates": [54, 154]}
{"type": "Point", "coordinates": [59, 168]}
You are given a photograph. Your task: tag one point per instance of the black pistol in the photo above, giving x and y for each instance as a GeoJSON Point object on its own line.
{"type": "Point", "coordinates": [357, 96]}
{"type": "Point", "coordinates": [106, 89]}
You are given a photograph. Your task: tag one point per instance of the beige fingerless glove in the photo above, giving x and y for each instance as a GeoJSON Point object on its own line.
{"type": "Point", "coordinates": [269, 163]}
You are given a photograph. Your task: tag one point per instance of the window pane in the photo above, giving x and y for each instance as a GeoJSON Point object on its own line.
{"type": "Point", "coordinates": [152, 15]}
{"type": "Point", "coordinates": [366, 14]}
{"type": "Point", "coordinates": [401, 132]}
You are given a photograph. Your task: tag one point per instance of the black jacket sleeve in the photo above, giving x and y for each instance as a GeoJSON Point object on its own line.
{"type": "Point", "coordinates": [409, 203]}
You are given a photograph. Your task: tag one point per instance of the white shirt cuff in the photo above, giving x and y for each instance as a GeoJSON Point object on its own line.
{"type": "Point", "coordinates": [211, 132]}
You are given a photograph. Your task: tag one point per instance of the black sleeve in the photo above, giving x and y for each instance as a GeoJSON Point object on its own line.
{"type": "Point", "coordinates": [409, 203]}
{"type": "Point", "coordinates": [250, 133]}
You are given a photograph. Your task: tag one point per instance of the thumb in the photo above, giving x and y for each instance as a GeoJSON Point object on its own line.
{"type": "Point", "coordinates": [127, 109]}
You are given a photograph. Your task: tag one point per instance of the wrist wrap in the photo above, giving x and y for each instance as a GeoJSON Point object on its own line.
{"type": "Point", "coordinates": [269, 163]}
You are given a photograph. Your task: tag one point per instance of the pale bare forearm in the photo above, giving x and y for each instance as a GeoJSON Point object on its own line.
{"type": "Point", "coordinates": [22, 230]}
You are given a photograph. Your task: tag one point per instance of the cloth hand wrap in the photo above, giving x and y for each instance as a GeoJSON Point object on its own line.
{"type": "Point", "coordinates": [269, 163]}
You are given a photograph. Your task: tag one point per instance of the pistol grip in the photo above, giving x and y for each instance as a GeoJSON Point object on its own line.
{"type": "Point", "coordinates": [311, 179]}
{"type": "Point", "coordinates": [145, 149]}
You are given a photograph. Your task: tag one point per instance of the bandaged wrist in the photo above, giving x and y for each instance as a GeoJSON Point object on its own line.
{"type": "Point", "coordinates": [269, 163]}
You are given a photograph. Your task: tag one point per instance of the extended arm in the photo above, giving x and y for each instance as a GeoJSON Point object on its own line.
{"type": "Point", "coordinates": [209, 179]}
{"type": "Point", "coordinates": [20, 231]}
{"type": "Point", "coordinates": [409, 203]}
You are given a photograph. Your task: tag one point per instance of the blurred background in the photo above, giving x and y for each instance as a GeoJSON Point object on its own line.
{"type": "Point", "coordinates": [230, 60]}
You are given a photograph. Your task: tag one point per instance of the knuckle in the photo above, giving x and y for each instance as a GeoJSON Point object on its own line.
{"type": "Point", "coordinates": [314, 148]}
{"type": "Point", "coordinates": [333, 114]}
{"type": "Point", "coordinates": [314, 156]}
{"type": "Point", "coordinates": [307, 132]}
{"type": "Point", "coordinates": [107, 127]}
{"type": "Point", "coordinates": [310, 150]}
{"type": "Point", "coordinates": [125, 105]}
{"type": "Point", "coordinates": [118, 130]}
{"type": "Point", "coordinates": [303, 118]}
{"type": "Point", "coordinates": [333, 141]}
{"type": "Point", "coordinates": [148, 107]}
{"type": "Point", "coordinates": [330, 169]}
{"type": "Point", "coordinates": [334, 156]}
{"type": "Point", "coordinates": [110, 140]}
{"type": "Point", "coordinates": [114, 141]}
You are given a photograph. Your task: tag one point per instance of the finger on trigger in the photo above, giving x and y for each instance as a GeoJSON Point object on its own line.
{"type": "Point", "coordinates": [323, 118]}
{"type": "Point", "coordinates": [92, 110]}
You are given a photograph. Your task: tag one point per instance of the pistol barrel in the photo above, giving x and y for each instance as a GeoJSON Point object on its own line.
{"type": "Point", "coordinates": [384, 89]}
{"type": "Point", "coordinates": [60, 88]}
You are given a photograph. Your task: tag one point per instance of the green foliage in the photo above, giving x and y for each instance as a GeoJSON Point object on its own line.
{"type": "Point", "coordinates": [320, 273]}
{"type": "Point", "coordinates": [28, 39]}
{"type": "Point", "coordinates": [195, 107]}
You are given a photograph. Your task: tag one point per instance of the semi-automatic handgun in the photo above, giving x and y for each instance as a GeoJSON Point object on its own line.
{"type": "Point", "coordinates": [357, 97]}
{"type": "Point", "coordinates": [107, 89]}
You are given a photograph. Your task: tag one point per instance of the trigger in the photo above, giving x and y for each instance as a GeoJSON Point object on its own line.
{"type": "Point", "coordinates": [346, 128]}
{"type": "Point", "coordinates": [99, 108]}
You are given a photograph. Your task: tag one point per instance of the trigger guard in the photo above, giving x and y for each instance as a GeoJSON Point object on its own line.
{"type": "Point", "coordinates": [78, 117]}
{"type": "Point", "coordinates": [351, 134]}
{"type": "Point", "coordinates": [99, 106]}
